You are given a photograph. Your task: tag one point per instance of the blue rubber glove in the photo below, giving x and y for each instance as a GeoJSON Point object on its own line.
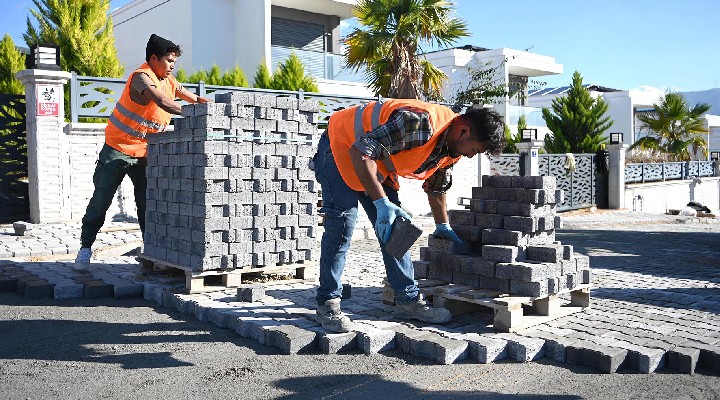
{"type": "Point", "coordinates": [386, 214]}
{"type": "Point", "coordinates": [444, 231]}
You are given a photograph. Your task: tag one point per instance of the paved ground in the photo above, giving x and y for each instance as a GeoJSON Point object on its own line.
{"type": "Point", "coordinates": [656, 304]}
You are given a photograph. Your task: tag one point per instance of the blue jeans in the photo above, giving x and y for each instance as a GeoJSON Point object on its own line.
{"type": "Point", "coordinates": [340, 206]}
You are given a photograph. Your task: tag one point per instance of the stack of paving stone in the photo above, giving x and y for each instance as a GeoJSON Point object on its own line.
{"type": "Point", "coordinates": [232, 187]}
{"type": "Point", "coordinates": [510, 230]}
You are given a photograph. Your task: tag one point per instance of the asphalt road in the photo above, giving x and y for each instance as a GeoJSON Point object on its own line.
{"type": "Point", "coordinates": [118, 349]}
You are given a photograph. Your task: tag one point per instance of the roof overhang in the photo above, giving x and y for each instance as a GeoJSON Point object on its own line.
{"type": "Point", "coordinates": [341, 8]}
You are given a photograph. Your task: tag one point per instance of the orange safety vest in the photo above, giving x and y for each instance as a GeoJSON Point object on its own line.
{"type": "Point", "coordinates": [346, 126]}
{"type": "Point", "coordinates": [130, 122]}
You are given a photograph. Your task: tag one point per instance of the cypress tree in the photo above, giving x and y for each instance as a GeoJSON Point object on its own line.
{"type": "Point", "coordinates": [83, 31]}
{"type": "Point", "coordinates": [291, 76]}
{"type": "Point", "coordinates": [11, 61]}
{"type": "Point", "coordinates": [576, 121]}
{"type": "Point", "coordinates": [263, 79]}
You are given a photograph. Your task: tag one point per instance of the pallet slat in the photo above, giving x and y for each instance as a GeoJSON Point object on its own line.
{"type": "Point", "coordinates": [196, 282]}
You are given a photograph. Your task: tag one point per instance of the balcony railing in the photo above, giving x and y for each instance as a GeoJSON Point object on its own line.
{"type": "Point", "coordinates": [318, 64]}
{"type": "Point", "coordinates": [533, 115]}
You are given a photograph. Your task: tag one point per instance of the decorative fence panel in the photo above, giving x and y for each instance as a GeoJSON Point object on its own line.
{"type": "Point", "coordinates": [14, 199]}
{"type": "Point", "coordinates": [653, 172]}
{"type": "Point", "coordinates": [93, 97]}
{"type": "Point", "coordinates": [584, 187]}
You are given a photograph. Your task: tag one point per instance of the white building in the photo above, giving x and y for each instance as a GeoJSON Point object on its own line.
{"type": "Point", "coordinates": [243, 33]}
{"type": "Point", "coordinates": [514, 67]}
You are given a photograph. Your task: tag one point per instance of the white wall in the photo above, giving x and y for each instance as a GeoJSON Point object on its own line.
{"type": "Point", "coordinates": [621, 112]}
{"type": "Point", "coordinates": [84, 142]}
{"type": "Point", "coordinates": [658, 197]}
{"type": "Point", "coordinates": [135, 22]}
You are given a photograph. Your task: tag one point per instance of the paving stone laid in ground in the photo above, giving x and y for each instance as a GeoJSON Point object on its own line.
{"type": "Point", "coordinates": [655, 302]}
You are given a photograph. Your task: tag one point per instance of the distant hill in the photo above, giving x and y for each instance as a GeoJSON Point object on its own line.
{"type": "Point", "coordinates": [711, 96]}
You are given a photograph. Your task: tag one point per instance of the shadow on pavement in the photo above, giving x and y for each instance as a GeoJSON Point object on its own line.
{"type": "Point", "coordinates": [681, 255]}
{"type": "Point", "coordinates": [366, 386]}
{"type": "Point", "coordinates": [117, 342]}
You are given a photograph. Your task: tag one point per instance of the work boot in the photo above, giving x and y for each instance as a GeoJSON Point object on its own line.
{"type": "Point", "coordinates": [331, 318]}
{"type": "Point", "coordinates": [420, 310]}
{"type": "Point", "coordinates": [82, 260]}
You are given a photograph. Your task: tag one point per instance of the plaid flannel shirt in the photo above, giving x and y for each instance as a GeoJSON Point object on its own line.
{"type": "Point", "coordinates": [406, 129]}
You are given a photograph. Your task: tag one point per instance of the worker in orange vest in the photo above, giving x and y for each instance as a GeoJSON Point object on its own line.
{"type": "Point", "coordinates": [359, 159]}
{"type": "Point", "coordinates": [144, 108]}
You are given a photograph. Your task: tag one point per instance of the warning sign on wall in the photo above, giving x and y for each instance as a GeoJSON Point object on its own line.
{"type": "Point", "coordinates": [48, 100]}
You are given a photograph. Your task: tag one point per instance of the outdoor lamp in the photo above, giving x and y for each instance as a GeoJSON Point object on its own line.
{"type": "Point", "coordinates": [43, 56]}
{"type": "Point", "coordinates": [616, 138]}
{"type": "Point", "coordinates": [715, 155]}
{"type": "Point", "coordinates": [529, 135]}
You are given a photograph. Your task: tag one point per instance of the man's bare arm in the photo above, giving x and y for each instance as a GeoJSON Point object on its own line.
{"type": "Point", "coordinates": [366, 170]}
{"type": "Point", "coordinates": [162, 101]}
{"type": "Point", "coordinates": [186, 95]}
{"type": "Point", "coordinates": [438, 206]}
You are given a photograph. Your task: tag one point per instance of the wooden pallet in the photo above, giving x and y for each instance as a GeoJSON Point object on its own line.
{"type": "Point", "coordinates": [217, 280]}
{"type": "Point", "coordinates": [511, 313]}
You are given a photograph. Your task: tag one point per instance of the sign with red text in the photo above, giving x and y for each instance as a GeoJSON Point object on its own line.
{"type": "Point", "coordinates": [48, 100]}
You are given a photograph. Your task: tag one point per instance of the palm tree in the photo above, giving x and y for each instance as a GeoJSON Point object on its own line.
{"type": "Point", "coordinates": [674, 128]}
{"type": "Point", "coordinates": [388, 47]}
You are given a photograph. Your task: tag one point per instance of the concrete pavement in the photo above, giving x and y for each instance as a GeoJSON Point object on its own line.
{"type": "Point", "coordinates": [655, 298]}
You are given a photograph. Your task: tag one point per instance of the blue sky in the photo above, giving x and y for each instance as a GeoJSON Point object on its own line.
{"type": "Point", "coordinates": [622, 44]}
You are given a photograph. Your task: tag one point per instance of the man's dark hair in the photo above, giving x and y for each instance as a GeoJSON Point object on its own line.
{"type": "Point", "coordinates": [487, 126]}
{"type": "Point", "coordinates": [160, 47]}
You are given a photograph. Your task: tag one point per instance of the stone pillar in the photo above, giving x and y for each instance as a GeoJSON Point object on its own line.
{"type": "Point", "coordinates": [483, 167]}
{"type": "Point", "coordinates": [46, 144]}
{"type": "Point", "coordinates": [616, 176]}
{"type": "Point", "coordinates": [530, 160]}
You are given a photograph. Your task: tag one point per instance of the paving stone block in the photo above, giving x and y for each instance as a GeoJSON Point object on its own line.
{"type": "Point", "coordinates": [461, 217]}
{"type": "Point", "coordinates": [504, 237]}
{"type": "Point", "coordinates": [39, 289]}
{"type": "Point", "coordinates": [8, 283]}
{"type": "Point", "coordinates": [372, 341]}
{"type": "Point", "coordinates": [505, 254]}
{"type": "Point", "coordinates": [605, 359]}
{"type": "Point", "coordinates": [292, 340]}
{"type": "Point", "coordinates": [440, 245]}
{"type": "Point", "coordinates": [250, 293]}
{"type": "Point", "coordinates": [683, 359]}
{"type": "Point", "coordinates": [476, 265]}
{"type": "Point", "coordinates": [468, 233]}
{"type": "Point", "coordinates": [520, 271]}
{"type": "Point", "coordinates": [550, 254]}
{"type": "Point", "coordinates": [489, 221]}
{"type": "Point", "coordinates": [546, 183]}
{"type": "Point", "coordinates": [126, 289]}
{"type": "Point", "coordinates": [421, 269]}
{"type": "Point", "coordinates": [404, 234]}
{"type": "Point", "coordinates": [447, 350]}
{"type": "Point", "coordinates": [69, 291]}
{"type": "Point", "coordinates": [709, 356]}
{"type": "Point", "coordinates": [497, 181]}
{"type": "Point", "coordinates": [333, 343]}
{"type": "Point", "coordinates": [484, 349]}
{"type": "Point", "coordinates": [524, 349]}
{"type": "Point", "coordinates": [97, 289]}
{"type": "Point", "coordinates": [484, 193]}
{"type": "Point", "coordinates": [522, 224]}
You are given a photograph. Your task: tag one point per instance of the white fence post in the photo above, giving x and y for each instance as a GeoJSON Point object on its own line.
{"type": "Point", "coordinates": [530, 160]}
{"type": "Point", "coordinates": [46, 145]}
{"type": "Point", "coordinates": [616, 176]}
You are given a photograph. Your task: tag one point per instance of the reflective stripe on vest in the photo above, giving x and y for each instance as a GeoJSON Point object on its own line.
{"type": "Point", "coordinates": [360, 131]}
{"type": "Point", "coordinates": [156, 127]}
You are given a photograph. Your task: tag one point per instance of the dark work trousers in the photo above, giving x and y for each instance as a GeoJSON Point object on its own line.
{"type": "Point", "coordinates": [111, 168]}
